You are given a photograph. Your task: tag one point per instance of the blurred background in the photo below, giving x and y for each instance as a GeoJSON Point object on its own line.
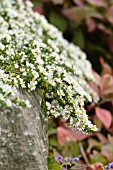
{"type": "Point", "coordinates": [87, 23]}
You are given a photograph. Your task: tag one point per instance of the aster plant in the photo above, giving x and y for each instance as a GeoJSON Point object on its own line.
{"type": "Point", "coordinates": [35, 56]}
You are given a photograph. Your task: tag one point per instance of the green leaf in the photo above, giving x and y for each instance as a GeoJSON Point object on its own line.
{"type": "Point", "coordinates": [93, 143]}
{"type": "Point", "coordinates": [58, 20]}
{"type": "Point", "coordinates": [107, 151]}
{"type": "Point", "coordinates": [108, 147]}
{"type": "Point", "coordinates": [70, 149]}
{"type": "Point", "coordinates": [98, 157]}
{"type": "Point", "coordinates": [56, 166]}
{"type": "Point", "coordinates": [50, 163]}
{"type": "Point", "coordinates": [78, 38]}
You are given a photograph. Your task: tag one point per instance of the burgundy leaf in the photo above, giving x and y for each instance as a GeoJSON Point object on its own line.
{"type": "Point", "coordinates": [107, 151]}
{"type": "Point", "coordinates": [98, 166]}
{"type": "Point", "coordinates": [95, 166]}
{"type": "Point", "coordinates": [110, 139]}
{"type": "Point", "coordinates": [98, 3]}
{"type": "Point", "coordinates": [66, 135]}
{"type": "Point", "coordinates": [104, 29]}
{"type": "Point", "coordinates": [104, 116]}
{"type": "Point", "coordinates": [78, 14]}
{"type": "Point", "coordinates": [80, 3]}
{"type": "Point", "coordinates": [110, 44]}
{"type": "Point", "coordinates": [94, 87]}
{"type": "Point", "coordinates": [109, 14]}
{"type": "Point", "coordinates": [37, 9]}
{"type": "Point", "coordinates": [102, 138]}
{"type": "Point", "coordinates": [105, 67]}
{"type": "Point", "coordinates": [107, 84]}
{"type": "Point", "coordinates": [91, 24]}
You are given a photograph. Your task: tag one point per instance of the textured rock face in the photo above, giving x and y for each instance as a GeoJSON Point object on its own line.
{"type": "Point", "coordinates": [23, 136]}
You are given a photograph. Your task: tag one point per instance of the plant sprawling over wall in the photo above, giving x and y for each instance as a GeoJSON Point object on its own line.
{"type": "Point", "coordinates": [33, 54]}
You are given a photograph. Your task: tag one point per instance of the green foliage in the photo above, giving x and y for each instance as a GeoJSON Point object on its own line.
{"type": "Point", "coordinates": [50, 161]}
{"type": "Point", "coordinates": [94, 24]}
{"type": "Point", "coordinates": [56, 166]}
{"type": "Point", "coordinates": [58, 20]}
{"type": "Point", "coordinates": [97, 157]}
{"type": "Point", "coordinates": [78, 38]}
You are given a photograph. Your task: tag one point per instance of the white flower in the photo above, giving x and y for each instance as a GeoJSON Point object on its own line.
{"type": "Point", "coordinates": [69, 91]}
{"type": "Point", "coordinates": [27, 64]}
{"type": "Point", "coordinates": [24, 73]}
{"type": "Point", "coordinates": [16, 65]}
{"type": "Point", "coordinates": [48, 105]}
{"type": "Point", "coordinates": [51, 82]}
{"type": "Point", "coordinates": [60, 93]}
{"type": "Point", "coordinates": [15, 82]}
{"type": "Point", "coordinates": [68, 108]}
{"type": "Point", "coordinates": [35, 74]}
{"type": "Point", "coordinates": [32, 85]}
{"type": "Point", "coordinates": [2, 46]}
{"type": "Point", "coordinates": [27, 102]}
{"type": "Point", "coordinates": [22, 83]}
{"type": "Point", "coordinates": [55, 102]}
{"type": "Point", "coordinates": [1, 57]}
{"type": "Point", "coordinates": [58, 80]}
{"type": "Point", "coordinates": [42, 70]}
{"type": "Point", "coordinates": [94, 128]}
{"type": "Point", "coordinates": [8, 102]}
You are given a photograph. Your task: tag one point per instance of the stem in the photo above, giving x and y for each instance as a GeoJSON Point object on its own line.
{"type": "Point", "coordinates": [104, 101]}
{"type": "Point", "coordinates": [53, 132]}
{"type": "Point", "coordinates": [100, 103]}
{"type": "Point", "coordinates": [83, 153]}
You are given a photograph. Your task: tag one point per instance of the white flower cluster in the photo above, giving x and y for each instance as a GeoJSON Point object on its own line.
{"type": "Point", "coordinates": [8, 93]}
{"type": "Point", "coordinates": [34, 54]}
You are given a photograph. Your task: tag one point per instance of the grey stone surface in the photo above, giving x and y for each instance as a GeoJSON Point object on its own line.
{"type": "Point", "coordinates": [23, 136]}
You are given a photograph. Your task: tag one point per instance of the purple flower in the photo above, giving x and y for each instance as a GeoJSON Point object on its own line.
{"type": "Point", "coordinates": [60, 157]}
{"type": "Point", "coordinates": [110, 165]}
{"type": "Point", "coordinates": [69, 159]}
{"type": "Point", "coordinates": [75, 159]}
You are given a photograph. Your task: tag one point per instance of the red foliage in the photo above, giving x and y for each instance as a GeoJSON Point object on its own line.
{"type": "Point", "coordinates": [66, 135]}
{"type": "Point", "coordinates": [104, 116]}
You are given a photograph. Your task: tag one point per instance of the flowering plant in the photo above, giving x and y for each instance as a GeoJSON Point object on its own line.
{"type": "Point", "coordinates": [66, 163]}
{"type": "Point", "coordinates": [34, 54]}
